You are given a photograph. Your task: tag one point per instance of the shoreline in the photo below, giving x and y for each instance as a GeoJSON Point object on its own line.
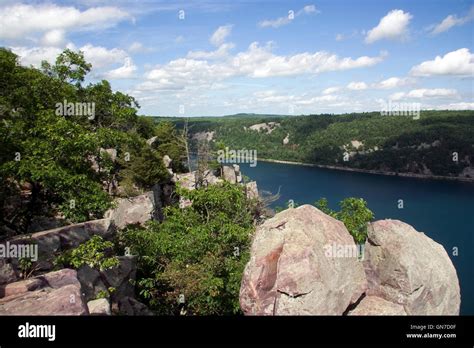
{"type": "Point", "coordinates": [368, 171]}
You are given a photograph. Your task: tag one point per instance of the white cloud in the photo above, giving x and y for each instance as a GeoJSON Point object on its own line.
{"type": "Point", "coordinates": [219, 36]}
{"type": "Point", "coordinates": [124, 72]}
{"type": "Point", "coordinates": [19, 20]}
{"type": "Point", "coordinates": [456, 106]}
{"type": "Point", "coordinates": [393, 26]}
{"type": "Point", "coordinates": [318, 99]}
{"type": "Point", "coordinates": [136, 47]}
{"type": "Point", "coordinates": [426, 93]}
{"type": "Point", "coordinates": [34, 55]}
{"type": "Point", "coordinates": [331, 90]}
{"type": "Point", "coordinates": [452, 21]}
{"type": "Point", "coordinates": [432, 93]}
{"type": "Point", "coordinates": [393, 82]}
{"type": "Point", "coordinates": [259, 61]}
{"type": "Point", "coordinates": [281, 21]}
{"type": "Point", "coordinates": [221, 52]}
{"type": "Point", "coordinates": [101, 57]}
{"type": "Point", "coordinates": [397, 96]}
{"type": "Point", "coordinates": [54, 38]}
{"type": "Point", "coordinates": [459, 62]}
{"type": "Point", "coordinates": [357, 86]}
{"type": "Point", "coordinates": [256, 62]}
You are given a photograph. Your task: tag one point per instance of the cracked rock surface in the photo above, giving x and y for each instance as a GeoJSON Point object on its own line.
{"type": "Point", "coordinates": [403, 271]}
{"type": "Point", "coordinates": [289, 273]}
{"type": "Point", "coordinates": [406, 267]}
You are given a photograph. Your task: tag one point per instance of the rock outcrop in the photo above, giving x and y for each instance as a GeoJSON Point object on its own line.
{"type": "Point", "coordinates": [289, 272]}
{"type": "Point", "coordinates": [120, 278]}
{"type": "Point", "coordinates": [251, 190]}
{"type": "Point", "coordinates": [55, 293]}
{"type": "Point", "coordinates": [292, 270]}
{"type": "Point", "coordinates": [267, 127]}
{"type": "Point", "coordinates": [406, 267]}
{"type": "Point", "coordinates": [136, 210]}
{"type": "Point", "coordinates": [54, 241]}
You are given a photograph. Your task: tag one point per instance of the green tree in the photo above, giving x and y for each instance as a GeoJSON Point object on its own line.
{"type": "Point", "coordinates": [353, 213]}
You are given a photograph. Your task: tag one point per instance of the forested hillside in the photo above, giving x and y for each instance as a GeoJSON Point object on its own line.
{"type": "Point", "coordinates": [438, 143]}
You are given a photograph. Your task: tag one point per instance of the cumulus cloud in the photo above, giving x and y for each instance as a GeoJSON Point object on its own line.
{"type": "Point", "coordinates": [394, 26]}
{"type": "Point", "coordinates": [357, 86]}
{"type": "Point", "coordinates": [219, 36]}
{"type": "Point", "coordinates": [452, 21]}
{"type": "Point", "coordinates": [221, 52]}
{"type": "Point", "coordinates": [426, 93]}
{"type": "Point", "coordinates": [101, 57]}
{"type": "Point", "coordinates": [20, 20]}
{"type": "Point", "coordinates": [455, 106]}
{"type": "Point", "coordinates": [54, 38]}
{"type": "Point", "coordinates": [331, 90]}
{"type": "Point", "coordinates": [256, 62]}
{"type": "Point", "coordinates": [393, 82]}
{"type": "Point", "coordinates": [34, 55]}
{"type": "Point", "coordinates": [124, 72]}
{"type": "Point", "coordinates": [281, 21]}
{"type": "Point", "coordinates": [459, 62]}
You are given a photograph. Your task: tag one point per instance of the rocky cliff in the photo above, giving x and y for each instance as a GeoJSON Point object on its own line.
{"type": "Point", "coordinates": [303, 263]}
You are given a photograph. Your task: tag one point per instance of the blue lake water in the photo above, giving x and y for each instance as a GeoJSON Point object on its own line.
{"type": "Point", "coordinates": [443, 210]}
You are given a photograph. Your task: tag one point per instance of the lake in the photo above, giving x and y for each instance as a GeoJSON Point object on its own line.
{"type": "Point", "coordinates": [443, 210]}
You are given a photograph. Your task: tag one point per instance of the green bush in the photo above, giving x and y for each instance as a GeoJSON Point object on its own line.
{"type": "Point", "coordinates": [92, 253]}
{"type": "Point", "coordinates": [193, 262]}
{"type": "Point", "coordinates": [353, 213]}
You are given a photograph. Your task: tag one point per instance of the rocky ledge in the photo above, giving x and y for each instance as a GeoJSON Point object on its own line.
{"type": "Point", "coordinates": [294, 269]}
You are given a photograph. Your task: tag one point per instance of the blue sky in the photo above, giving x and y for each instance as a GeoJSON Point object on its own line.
{"type": "Point", "coordinates": [227, 57]}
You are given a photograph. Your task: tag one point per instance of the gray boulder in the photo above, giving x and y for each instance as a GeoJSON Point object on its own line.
{"type": "Point", "coordinates": [135, 210]}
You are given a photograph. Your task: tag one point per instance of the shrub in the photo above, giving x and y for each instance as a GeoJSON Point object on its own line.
{"type": "Point", "coordinates": [193, 262]}
{"type": "Point", "coordinates": [353, 213]}
{"type": "Point", "coordinates": [92, 253]}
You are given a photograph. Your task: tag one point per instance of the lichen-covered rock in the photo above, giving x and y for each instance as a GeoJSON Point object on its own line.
{"type": "Point", "coordinates": [290, 273]}
{"type": "Point", "coordinates": [406, 267]}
